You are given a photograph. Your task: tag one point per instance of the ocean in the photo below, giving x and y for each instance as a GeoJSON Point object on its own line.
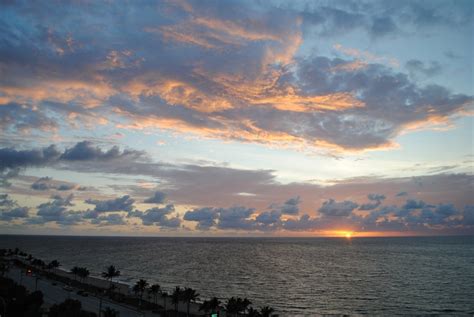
{"type": "Point", "coordinates": [295, 276]}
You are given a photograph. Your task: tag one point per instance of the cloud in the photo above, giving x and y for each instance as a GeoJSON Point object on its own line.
{"type": "Point", "coordinates": [11, 158]}
{"type": "Point", "coordinates": [83, 151]}
{"type": "Point", "coordinates": [232, 72]}
{"type": "Point", "coordinates": [109, 220]}
{"type": "Point", "coordinates": [414, 204]}
{"type": "Point", "coordinates": [9, 209]}
{"type": "Point", "coordinates": [417, 67]}
{"type": "Point", "coordinates": [157, 198]}
{"type": "Point", "coordinates": [158, 217]}
{"type": "Point", "coordinates": [124, 203]}
{"type": "Point", "coordinates": [205, 217]}
{"type": "Point", "coordinates": [332, 208]}
{"type": "Point", "coordinates": [56, 211]}
{"type": "Point", "coordinates": [236, 218]}
{"type": "Point", "coordinates": [400, 194]}
{"type": "Point", "coordinates": [377, 200]}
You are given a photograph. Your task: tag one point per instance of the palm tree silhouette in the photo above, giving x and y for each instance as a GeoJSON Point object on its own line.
{"type": "Point", "coordinates": [176, 297]}
{"type": "Point", "coordinates": [253, 313]}
{"type": "Point", "coordinates": [110, 274]}
{"type": "Point", "coordinates": [189, 295]}
{"type": "Point", "coordinates": [83, 273]}
{"type": "Point", "coordinates": [165, 296]}
{"type": "Point", "coordinates": [75, 271]}
{"type": "Point", "coordinates": [236, 306]}
{"type": "Point", "coordinates": [154, 290]}
{"type": "Point", "coordinates": [266, 311]}
{"type": "Point", "coordinates": [139, 289]}
{"type": "Point", "coordinates": [210, 305]}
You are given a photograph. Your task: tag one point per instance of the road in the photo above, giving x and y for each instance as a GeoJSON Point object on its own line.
{"type": "Point", "coordinates": [54, 294]}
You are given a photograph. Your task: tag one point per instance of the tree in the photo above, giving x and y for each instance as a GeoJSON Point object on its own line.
{"type": "Point", "coordinates": [189, 295]}
{"type": "Point", "coordinates": [83, 273]}
{"type": "Point", "coordinates": [236, 306]}
{"type": "Point", "coordinates": [176, 297]}
{"type": "Point", "coordinates": [53, 264]}
{"type": "Point", "coordinates": [139, 289]}
{"type": "Point", "coordinates": [110, 274]}
{"type": "Point", "coordinates": [165, 296]}
{"type": "Point", "coordinates": [210, 305]}
{"type": "Point", "coordinates": [155, 290]}
{"type": "Point", "coordinates": [266, 311]}
{"type": "Point", "coordinates": [253, 312]}
{"type": "Point", "coordinates": [75, 271]}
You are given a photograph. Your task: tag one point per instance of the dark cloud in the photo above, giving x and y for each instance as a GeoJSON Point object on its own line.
{"type": "Point", "coordinates": [109, 220]}
{"type": "Point", "coordinates": [400, 194]}
{"type": "Point", "coordinates": [158, 217]}
{"type": "Point", "coordinates": [236, 218]}
{"type": "Point", "coordinates": [392, 101]}
{"type": "Point", "coordinates": [9, 209]}
{"type": "Point", "coordinates": [376, 201]}
{"type": "Point", "coordinates": [157, 198]}
{"type": "Point", "coordinates": [16, 118]}
{"type": "Point", "coordinates": [414, 204]}
{"type": "Point", "coordinates": [468, 216]}
{"type": "Point", "coordinates": [83, 151]}
{"type": "Point", "coordinates": [124, 203]}
{"type": "Point", "coordinates": [11, 158]}
{"type": "Point", "coordinates": [332, 208]}
{"type": "Point", "coordinates": [205, 217]}
{"type": "Point", "coordinates": [56, 211]}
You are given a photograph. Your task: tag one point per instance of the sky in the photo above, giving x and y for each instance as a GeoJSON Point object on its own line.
{"type": "Point", "coordinates": [237, 118]}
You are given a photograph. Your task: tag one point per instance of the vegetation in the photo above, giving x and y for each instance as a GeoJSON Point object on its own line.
{"type": "Point", "coordinates": [70, 307]}
{"type": "Point", "coordinates": [189, 295]}
{"type": "Point", "coordinates": [235, 306]}
{"type": "Point", "coordinates": [17, 301]}
{"type": "Point", "coordinates": [155, 290]}
{"type": "Point", "coordinates": [30, 304]}
{"type": "Point", "coordinates": [110, 273]}
{"type": "Point", "coordinates": [210, 306]}
{"type": "Point", "coordinates": [176, 297]}
{"type": "Point", "coordinates": [139, 288]}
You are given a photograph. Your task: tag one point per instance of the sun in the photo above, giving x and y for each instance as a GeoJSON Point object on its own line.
{"type": "Point", "coordinates": [348, 235]}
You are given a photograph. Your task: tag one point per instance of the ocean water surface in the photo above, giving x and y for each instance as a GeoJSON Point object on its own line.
{"type": "Point", "coordinates": [296, 276]}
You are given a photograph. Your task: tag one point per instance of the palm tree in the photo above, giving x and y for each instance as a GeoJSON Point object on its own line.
{"type": "Point", "coordinates": [83, 273]}
{"type": "Point", "coordinates": [189, 295]}
{"type": "Point", "coordinates": [253, 313]}
{"type": "Point", "coordinates": [110, 274]}
{"type": "Point", "coordinates": [210, 305]}
{"type": "Point", "coordinates": [236, 306]}
{"type": "Point", "coordinates": [154, 290]}
{"type": "Point", "coordinates": [139, 289]}
{"type": "Point", "coordinates": [266, 311]}
{"type": "Point", "coordinates": [53, 264]}
{"type": "Point", "coordinates": [165, 296]}
{"type": "Point", "coordinates": [75, 271]}
{"type": "Point", "coordinates": [214, 304]}
{"type": "Point", "coordinates": [176, 297]}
